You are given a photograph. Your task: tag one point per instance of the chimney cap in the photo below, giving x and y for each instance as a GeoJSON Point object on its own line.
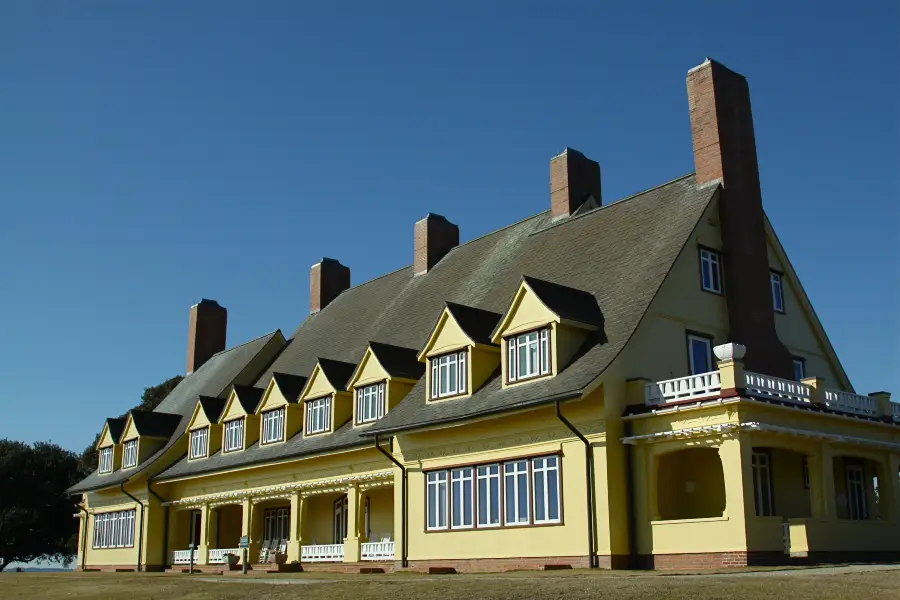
{"type": "Point", "coordinates": [432, 215]}
{"type": "Point", "coordinates": [325, 259]}
{"type": "Point", "coordinates": [207, 302]}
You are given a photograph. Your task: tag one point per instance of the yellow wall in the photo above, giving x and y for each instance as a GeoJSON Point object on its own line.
{"type": "Point", "coordinates": [106, 438]}
{"type": "Point", "coordinates": [690, 484]}
{"type": "Point", "coordinates": [567, 340]}
{"type": "Point", "coordinates": [369, 372]}
{"type": "Point", "coordinates": [397, 391]}
{"type": "Point", "coordinates": [448, 336]}
{"type": "Point", "coordinates": [234, 409]}
{"type": "Point", "coordinates": [483, 363]}
{"type": "Point", "coordinates": [381, 512]}
{"type": "Point", "coordinates": [527, 312]}
{"type": "Point", "coordinates": [791, 497]}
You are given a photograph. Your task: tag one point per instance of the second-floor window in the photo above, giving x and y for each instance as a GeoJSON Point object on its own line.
{"type": "Point", "coordinates": [273, 426]}
{"type": "Point", "coordinates": [699, 354]}
{"type": "Point", "coordinates": [129, 454]}
{"type": "Point", "coordinates": [528, 355]}
{"type": "Point", "coordinates": [799, 368]}
{"type": "Point", "coordinates": [370, 403]}
{"type": "Point", "coordinates": [199, 442]}
{"type": "Point", "coordinates": [318, 415]}
{"type": "Point", "coordinates": [711, 271]}
{"type": "Point", "coordinates": [777, 291]}
{"type": "Point", "coordinates": [448, 375]}
{"type": "Point", "coordinates": [106, 460]}
{"type": "Point", "coordinates": [234, 435]}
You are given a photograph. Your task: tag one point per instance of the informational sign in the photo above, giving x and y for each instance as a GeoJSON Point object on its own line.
{"type": "Point", "coordinates": [245, 541]}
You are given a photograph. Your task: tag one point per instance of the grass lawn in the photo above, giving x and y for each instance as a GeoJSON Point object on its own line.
{"type": "Point", "coordinates": [808, 584]}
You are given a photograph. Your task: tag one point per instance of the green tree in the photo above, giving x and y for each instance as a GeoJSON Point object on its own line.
{"type": "Point", "coordinates": [150, 399]}
{"type": "Point", "coordinates": [35, 512]}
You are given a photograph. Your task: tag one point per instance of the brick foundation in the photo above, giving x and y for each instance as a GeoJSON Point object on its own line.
{"type": "Point", "coordinates": [492, 565]}
{"type": "Point", "coordinates": [712, 560]}
{"type": "Point", "coordinates": [358, 567]}
{"type": "Point", "coordinates": [120, 568]}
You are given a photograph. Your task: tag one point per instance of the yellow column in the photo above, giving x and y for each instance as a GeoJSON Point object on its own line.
{"type": "Point", "coordinates": [82, 531]}
{"type": "Point", "coordinates": [250, 528]}
{"type": "Point", "coordinates": [351, 542]}
{"type": "Point", "coordinates": [296, 533]}
{"type": "Point", "coordinates": [737, 467]}
{"type": "Point", "coordinates": [892, 486]}
{"type": "Point", "coordinates": [826, 475]}
{"type": "Point", "coordinates": [203, 546]}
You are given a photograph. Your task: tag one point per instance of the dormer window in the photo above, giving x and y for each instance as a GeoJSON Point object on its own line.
{"type": "Point", "coordinates": [106, 460]}
{"type": "Point", "coordinates": [234, 435]}
{"type": "Point", "coordinates": [318, 415]}
{"type": "Point", "coordinates": [448, 375]}
{"type": "Point", "coordinates": [130, 454]}
{"type": "Point", "coordinates": [199, 442]}
{"type": "Point", "coordinates": [273, 426]}
{"type": "Point", "coordinates": [370, 403]}
{"type": "Point", "coordinates": [528, 355]}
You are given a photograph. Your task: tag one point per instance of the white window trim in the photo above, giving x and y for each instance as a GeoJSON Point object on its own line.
{"type": "Point", "coordinates": [691, 338]}
{"type": "Point", "coordinates": [776, 283]}
{"type": "Point", "coordinates": [437, 479]}
{"type": "Point", "coordinates": [113, 530]}
{"type": "Point", "coordinates": [542, 352]}
{"type": "Point", "coordinates": [762, 468]}
{"type": "Point", "coordinates": [489, 477]}
{"type": "Point", "coordinates": [233, 425]}
{"type": "Point", "coordinates": [370, 403]}
{"type": "Point", "coordinates": [802, 363]}
{"type": "Point", "coordinates": [318, 409]}
{"type": "Point", "coordinates": [461, 476]}
{"type": "Point", "coordinates": [105, 460]}
{"type": "Point", "coordinates": [714, 260]}
{"type": "Point", "coordinates": [456, 386]}
{"type": "Point", "coordinates": [269, 429]}
{"type": "Point", "coordinates": [514, 476]}
{"type": "Point", "coordinates": [198, 443]}
{"type": "Point", "coordinates": [130, 453]}
{"type": "Point", "coordinates": [546, 469]}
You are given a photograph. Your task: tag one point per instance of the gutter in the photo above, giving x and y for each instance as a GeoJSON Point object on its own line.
{"type": "Point", "coordinates": [141, 532]}
{"type": "Point", "coordinates": [589, 481]}
{"type": "Point", "coordinates": [165, 544]}
{"type": "Point", "coordinates": [630, 499]}
{"type": "Point", "coordinates": [404, 562]}
{"type": "Point", "coordinates": [87, 517]}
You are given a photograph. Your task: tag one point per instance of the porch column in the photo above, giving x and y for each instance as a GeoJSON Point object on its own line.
{"type": "Point", "coordinates": [821, 472]}
{"type": "Point", "coordinates": [351, 542]}
{"type": "Point", "coordinates": [893, 487]}
{"type": "Point", "coordinates": [249, 528]}
{"type": "Point", "coordinates": [203, 544]}
{"type": "Point", "coordinates": [296, 532]}
{"type": "Point", "coordinates": [736, 455]}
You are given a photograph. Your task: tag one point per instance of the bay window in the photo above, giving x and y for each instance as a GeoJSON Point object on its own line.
{"type": "Point", "coordinates": [448, 375]}
{"type": "Point", "coordinates": [106, 460]}
{"type": "Point", "coordinates": [318, 415]}
{"type": "Point", "coordinates": [114, 529]}
{"type": "Point", "coordinates": [199, 442]}
{"type": "Point", "coordinates": [370, 403]}
{"type": "Point", "coordinates": [273, 426]}
{"type": "Point", "coordinates": [234, 435]}
{"type": "Point", "coordinates": [129, 454]}
{"type": "Point", "coordinates": [528, 355]}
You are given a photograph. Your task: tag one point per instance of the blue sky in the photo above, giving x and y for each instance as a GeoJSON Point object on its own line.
{"type": "Point", "coordinates": [153, 153]}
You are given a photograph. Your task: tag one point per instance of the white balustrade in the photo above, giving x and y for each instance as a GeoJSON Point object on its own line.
{"type": "Point", "coordinates": [322, 553]}
{"type": "Point", "coordinates": [183, 557]}
{"type": "Point", "coordinates": [377, 551]}
{"type": "Point", "coordinates": [683, 388]}
{"type": "Point", "coordinates": [774, 387]}
{"type": "Point", "coordinates": [852, 403]}
{"type": "Point", "coordinates": [217, 556]}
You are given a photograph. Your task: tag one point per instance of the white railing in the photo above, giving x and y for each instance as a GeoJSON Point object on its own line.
{"type": "Point", "coordinates": [377, 551]}
{"type": "Point", "coordinates": [895, 408]}
{"type": "Point", "coordinates": [183, 557]}
{"type": "Point", "coordinates": [775, 387]}
{"type": "Point", "coordinates": [853, 403]}
{"type": "Point", "coordinates": [217, 556]}
{"type": "Point", "coordinates": [322, 553]}
{"type": "Point", "coordinates": [682, 388]}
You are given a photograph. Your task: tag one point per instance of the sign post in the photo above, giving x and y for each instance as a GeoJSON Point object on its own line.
{"type": "Point", "coordinates": [191, 558]}
{"type": "Point", "coordinates": [243, 545]}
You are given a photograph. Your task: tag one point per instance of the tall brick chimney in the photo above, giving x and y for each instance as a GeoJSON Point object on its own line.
{"type": "Point", "coordinates": [573, 179]}
{"type": "Point", "coordinates": [206, 333]}
{"type": "Point", "coordinates": [327, 279]}
{"type": "Point", "coordinates": [435, 236]}
{"type": "Point", "coordinates": [725, 151]}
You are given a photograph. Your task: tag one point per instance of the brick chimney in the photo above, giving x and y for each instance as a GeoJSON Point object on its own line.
{"type": "Point", "coordinates": [573, 179]}
{"type": "Point", "coordinates": [206, 333]}
{"type": "Point", "coordinates": [327, 279]}
{"type": "Point", "coordinates": [435, 236]}
{"type": "Point", "coordinates": [725, 151]}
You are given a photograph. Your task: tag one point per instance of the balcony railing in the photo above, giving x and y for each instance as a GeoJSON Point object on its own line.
{"type": "Point", "coordinates": [183, 557]}
{"type": "Point", "coordinates": [895, 408]}
{"type": "Point", "coordinates": [683, 388]}
{"type": "Point", "coordinates": [775, 387]}
{"type": "Point", "coordinates": [217, 556]}
{"type": "Point", "coordinates": [377, 551]}
{"type": "Point", "coordinates": [322, 553]}
{"type": "Point", "coordinates": [852, 403]}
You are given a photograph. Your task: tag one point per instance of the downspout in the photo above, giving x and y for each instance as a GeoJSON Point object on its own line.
{"type": "Point", "coordinates": [87, 517]}
{"type": "Point", "coordinates": [629, 491]}
{"type": "Point", "coordinates": [165, 544]}
{"type": "Point", "coordinates": [589, 482]}
{"type": "Point", "coordinates": [404, 563]}
{"type": "Point", "coordinates": [141, 532]}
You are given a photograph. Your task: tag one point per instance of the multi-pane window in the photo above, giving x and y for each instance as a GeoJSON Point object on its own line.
{"type": "Point", "coordinates": [370, 403]}
{"type": "Point", "coordinates": [277, 525]}
{"type": "Point", "coordinates": [699, 354]}
{"type": "Point", "coordinates": [519, 492]}
{"type": "Point", "coordinates": [318, 415]}
{"type": "Point", "coordinates": [106, 460]}
{"type": "Point", "coordinates": [711, 271]}
{"type": "Point", "coordinates": [114, 529]}
{"type": "Point", "coordinates": [448, 375]}
{"type": "Point", "coordinates": [234, 435]}
{"type": "Point", "coordinates": [777, 291]}
{"type": "Point", "coordinates": [799, 368]}
{"type": "Point", "coordinates": [129, 454]}
{"type": "Point", "coordinates": [762, 485]}
{"type": "Point", "coordinates": [199, 442]}
{"type": "Point", "coordinates": [856, 493]}
{"type": "Point", "coordinates": [528, 355]}
{"type": "Point", "coordinates": [273, 426]}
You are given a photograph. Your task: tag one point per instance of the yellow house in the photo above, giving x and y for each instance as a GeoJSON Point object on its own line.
{"type": "Point", "coordinates": [642, 383]}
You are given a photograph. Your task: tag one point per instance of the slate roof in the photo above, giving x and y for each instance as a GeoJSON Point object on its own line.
{"type": "Point", "coordinates": [619, 253]}
{"type": "Point", "coordinates": [116, 426]}
{"type": "Point", "coordinates": [151, 423]}
{"type": "Point", "coordinates": [249, 397]}
{"type": "Point", "coordinates": [214, 378]}
{"type": "Point", "coordinates": [337, 372]}
{"type": "Point", "coordinates": [290, 385]}
{"type": "Point", "coordinates": [569, 303]}
{"type": "Point", "coordinates": [397, 361]}
{"type": "Point", "coordinates": [477, 323]}
{"type": "Point", "coordinates": [212, 407]}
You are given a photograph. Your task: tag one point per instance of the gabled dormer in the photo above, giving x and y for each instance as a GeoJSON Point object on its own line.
{"type": "Point", "coordinates": [326, 399]}
{"type": "Point", "coordinates": [109, 450]}
{"type": "Point", "coordinates": [204, 430]}
{"type": "Point", "coordinates": [280, 413]}
{"type": "Point", "coordinates": [459, 355]}
{"type": "Point", "coordinates": [384, 376]}
{"type": "Point", "coordinates": [543, 328]}
{"type": "Point", "coordinates": [240, 423]}
{"type": "Point", "coordinates": [145, 432]}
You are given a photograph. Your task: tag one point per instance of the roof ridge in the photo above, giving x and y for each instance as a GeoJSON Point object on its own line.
{"type": "Point", "coordinates": [259, 337]}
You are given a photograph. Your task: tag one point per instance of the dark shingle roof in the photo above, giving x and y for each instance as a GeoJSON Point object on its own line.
{"type": "Point", "coordinates": [290, 385]}
{"type": "Point", "coordinates": [337, 372]}
{"type": "Point", "coordinates": [150, 423]}
{"type": "Point", "coordinates": [249, 397]}
{"type": "Point", "coordinates": [116, 427]}
{"type": "Point", "coordinates": [214, 378]}
{"type": "Point", "coordinates": [477, 323]}
{"type": "Point", "coordinates": [397, 361]}
{"type": "Point", "coordinates": [212, 407]}
{"type": "Point", "coordinates": [619, 253]}
{"type": "Point", "coordinates": [569, 303]}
